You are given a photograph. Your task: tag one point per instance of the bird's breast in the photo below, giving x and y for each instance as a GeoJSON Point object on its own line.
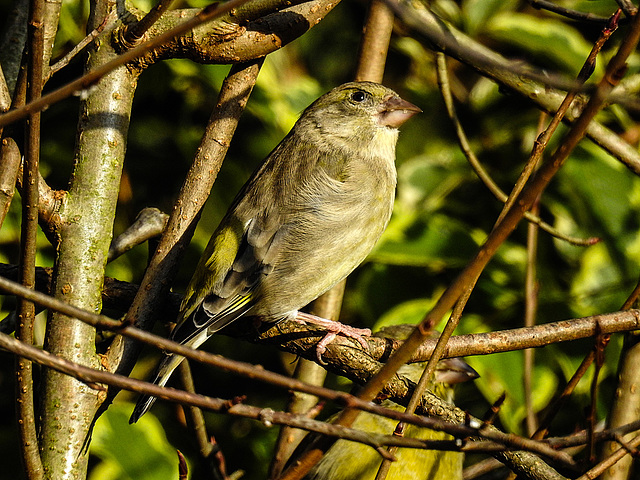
{"type": "Point", "coordinates": [332, 226]}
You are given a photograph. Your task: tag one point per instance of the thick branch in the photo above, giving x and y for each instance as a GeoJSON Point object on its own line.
{"type": "Point", "coordinates": [87, 214]}
{"type": "Point", "coordinates": [252, 31]}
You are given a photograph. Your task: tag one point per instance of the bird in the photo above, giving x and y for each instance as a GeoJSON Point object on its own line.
{"type": "Point", "coordinates": [306, 218]}
{"type": "Point", "coordinates": [346, 460]}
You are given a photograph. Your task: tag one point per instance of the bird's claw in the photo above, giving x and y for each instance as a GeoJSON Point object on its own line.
{"type": "Point", "coordinates": [334, 329]}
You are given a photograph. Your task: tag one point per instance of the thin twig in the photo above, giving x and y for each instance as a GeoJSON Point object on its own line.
{"type": "Point", "coordinates": [543, 139]}
{"type": "Point", "coordinates": [568, 12]}
{"type": "Point", "coordinates": [195, 421]}
{"type": "Point", "coordinates": [530, 317]}
{"type": "Point", "coordinates": [582, 437]}
{"type": "Point", "coordinates": [374, 43]}
{"type": "Point", "coordinates": [601, 342]}
{"type": "Point", "coordinates": [134, 33]}
{"type": "Point", "coordinates": [611, 460]}
{"type": "Point", "coordinates": [149, 223]}
{"type": "Point", "coordinates": [443, 38]}
{"type": "Point", "coordinates": [559, 402]}
{"type": "Point", "coordinates": [627, 7]}
{"type": "Point", "coordinates": [109, 20]}
{"type": "Point", "coordinates": [557, 405]}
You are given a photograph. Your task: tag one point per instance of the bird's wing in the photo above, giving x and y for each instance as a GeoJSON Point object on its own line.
{"type": "Point", "coordinates": [223, 291]}
{"type": "Point", "coordinates": [248, 242]}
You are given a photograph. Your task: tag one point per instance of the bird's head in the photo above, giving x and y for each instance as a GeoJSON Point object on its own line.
{"type": "Point", "coordinates": [358, 111]}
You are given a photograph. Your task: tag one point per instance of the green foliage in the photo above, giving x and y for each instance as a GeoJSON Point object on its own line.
{"type": "Point", "coordinates": [120, 447]}
{"type": "Point", "coordinates": [533, 36]}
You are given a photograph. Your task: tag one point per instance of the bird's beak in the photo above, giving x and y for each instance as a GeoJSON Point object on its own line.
{"type": "Point", "coordinates": [454, 370]}
{"type": "Point", "coordinates": [395, 111]}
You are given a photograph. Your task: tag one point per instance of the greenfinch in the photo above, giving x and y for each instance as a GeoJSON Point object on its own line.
{"type": "Point", "coordinates": [347, 460]}
{"type": "Point", "coordinates": [305, 219]}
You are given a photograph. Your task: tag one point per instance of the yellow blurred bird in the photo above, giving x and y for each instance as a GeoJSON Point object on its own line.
{"type": "Point", "coordinates": [347, 460]}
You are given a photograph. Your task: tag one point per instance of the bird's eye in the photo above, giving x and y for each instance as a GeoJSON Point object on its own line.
{"type": "Point", "coordinates": [358, 96]}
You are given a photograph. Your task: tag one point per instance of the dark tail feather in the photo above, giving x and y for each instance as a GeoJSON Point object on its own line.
{"type": "Point", "coordinates": [165, 369]}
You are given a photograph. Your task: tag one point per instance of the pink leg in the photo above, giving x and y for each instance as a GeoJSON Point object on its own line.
{"type": "Point", "coordinates": [334, 328]}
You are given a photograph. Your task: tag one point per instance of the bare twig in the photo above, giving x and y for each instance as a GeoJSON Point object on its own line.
{"type": "Point", "coordinates": [49, 202]}
{"type": "Point", "coordinates": [530, 318]}
{"type": "Point", "coordinates": [611, 460]}
{"type": "Point", "coordinates": [109, 21]}
{"type": "Point", "coordinates": [134, 33]}
{"type": "Point", "coordinates": [601, 342]}
{"type": "Point", "coordinates": [577, 376]}
{"type": "Point", "coordinates": [375, 42]}
{"type": "Point", "coordinates": [195, 420]}
{"type": "Point", "coordinates": [543, 139]}
{"type": "Point", "coordinates": [627, 7]}
{"type": "Point", "coordinates": [627, 399]}
{"type": "Point", "coordinates": [559, 402]}
{"type": "Point", "coordinates": [568, 12]}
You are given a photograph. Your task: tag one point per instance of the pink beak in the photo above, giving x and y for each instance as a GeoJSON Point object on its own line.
{"type": "Point", "coordinates": [395, 111]}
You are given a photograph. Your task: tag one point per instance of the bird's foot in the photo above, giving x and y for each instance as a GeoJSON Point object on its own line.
{"type": "Point", "coordinates": [334, 328]}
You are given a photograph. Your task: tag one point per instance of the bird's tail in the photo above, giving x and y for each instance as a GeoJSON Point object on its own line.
{"type": "Point", "coordinates": [166, 367]}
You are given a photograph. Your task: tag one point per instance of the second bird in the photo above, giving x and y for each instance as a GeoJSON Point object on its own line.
{"type": "Point", "coordinates": [307, 217]}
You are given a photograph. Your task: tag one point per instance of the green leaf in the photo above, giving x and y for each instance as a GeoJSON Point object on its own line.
{"type": "Point", "coordinates": [550, 41]}
{"type": "Point", "coordinates": [437, 243]}
{"type": "Point", "coordinates": [476, 13]}
{"type": "Point", "coordinates": [131, 452]}
{"type": "Point", "coordinates": [502, 373]}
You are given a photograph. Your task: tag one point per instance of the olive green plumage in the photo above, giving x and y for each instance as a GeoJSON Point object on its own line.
{"type": "Point", "coordinates": [305, 219]}
{"type": "Point", "coordinates": [347, 460]}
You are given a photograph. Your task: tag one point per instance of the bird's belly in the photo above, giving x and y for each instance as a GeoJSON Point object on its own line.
{"type": "Point", "coordinates": [321, 250]}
